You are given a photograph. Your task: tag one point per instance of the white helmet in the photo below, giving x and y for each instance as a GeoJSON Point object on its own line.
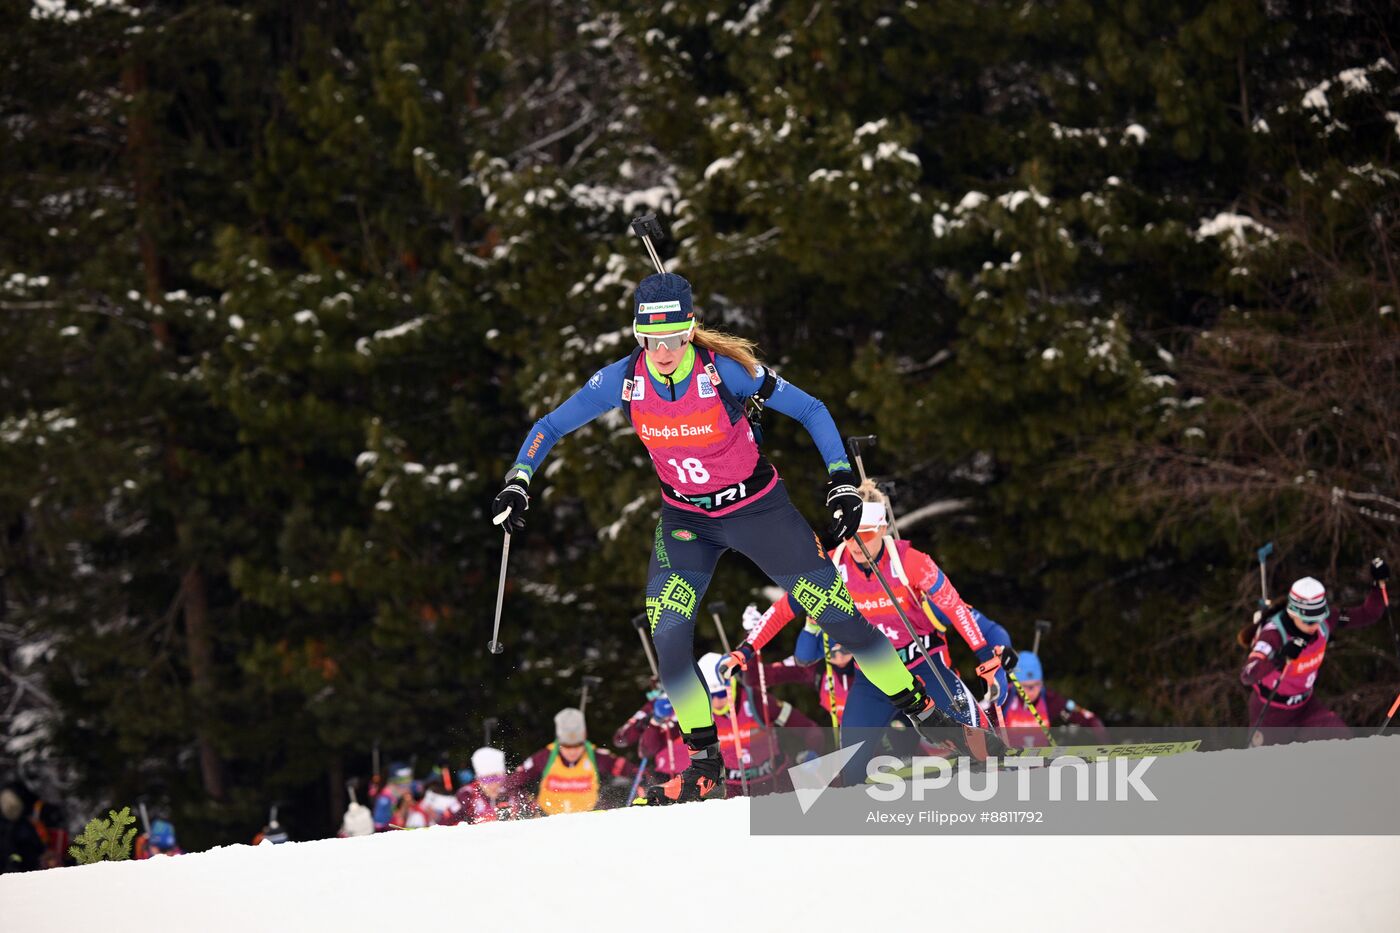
{"type": "Point", "coordinates": [488, 762]}
{"type": "Point", "coordinates": [709, 669]}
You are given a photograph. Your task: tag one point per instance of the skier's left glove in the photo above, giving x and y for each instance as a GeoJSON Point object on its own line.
{"type": "Point", "coordinates": [511, 503]}
{"type": "Point", "coordinates": [998, 689]}
{"type": "Point", "coordinates": [844, 503]}
{"type": "Point", "coordinates": [1380, 570]}
{"type": "Point", "coordinates": [739, 657]}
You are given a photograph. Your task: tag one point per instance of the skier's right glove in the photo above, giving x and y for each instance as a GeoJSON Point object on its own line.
{"type": "Point", "coordinates": [1294, 647]}
{"type": "Point", "coordinates": [844, 503]}
{"type": "Point", "coordinates": [739, 657]}
{"type": "Point", "coordinates": [512, 502]}
{"type": "Point", "coordinates": [1380, 570]}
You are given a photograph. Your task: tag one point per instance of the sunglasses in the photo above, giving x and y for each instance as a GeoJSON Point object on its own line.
{"type": "Point", "coordinates": [672, 341]}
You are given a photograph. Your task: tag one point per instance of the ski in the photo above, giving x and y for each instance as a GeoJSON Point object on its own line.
{"type": "Point", "coordinates": [1108, 750]}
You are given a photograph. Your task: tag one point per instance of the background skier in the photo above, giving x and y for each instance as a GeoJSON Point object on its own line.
{"type": "Point", "coordinates": [1287, 653]}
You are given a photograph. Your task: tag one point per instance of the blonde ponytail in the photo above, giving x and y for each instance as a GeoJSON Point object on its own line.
{"type": "Point", "coordinates": [869, 492]}
{"type": "Point", "coordinates": [739, 349]}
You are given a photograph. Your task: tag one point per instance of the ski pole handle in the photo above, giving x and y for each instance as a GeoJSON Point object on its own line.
{"type": "Point", "coordinates": [853, 444]}
{"type": "Point", "coordinates": [649, 229]}
{"type": "Point", "coordinates": [1042, 626]}
{"type": "Point", "coordinates": [501, 518]}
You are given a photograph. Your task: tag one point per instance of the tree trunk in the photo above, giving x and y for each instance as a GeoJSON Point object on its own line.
{"type": "Point", "coordinates": [140, 147]}
{"type": "Point", "coordinates": [141, 153]}
{"type": "Point", "coordinates": [200, 652]}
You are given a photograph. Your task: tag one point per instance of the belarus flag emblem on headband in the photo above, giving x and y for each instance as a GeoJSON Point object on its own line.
{"type": "Point", "coordinates": [657, 318]}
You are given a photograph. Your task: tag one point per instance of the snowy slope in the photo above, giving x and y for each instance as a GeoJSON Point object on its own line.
{"type": "Point", "coordinates": [623, 871]}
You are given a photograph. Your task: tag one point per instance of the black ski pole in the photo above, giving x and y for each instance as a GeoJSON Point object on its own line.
{"type": "Point", "coordinates": [854, 444]}
{"type": "Point", "coordinates": [959, 701]}
{"type": "Point", "coordinates": [1273, 692]}
{"type": "Point", "coordinates": [487, 727]}
{"type": "Point", "coordinates": [1042, 627]}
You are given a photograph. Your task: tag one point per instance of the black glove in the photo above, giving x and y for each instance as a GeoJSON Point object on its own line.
{"type": "Point", "coordinates": [1009, 657]}
{"type": "Point", "coordinates": [515, 497]}
{"type": "Point", "coordinates": [844, 503]}
{"type": "Point", "coordinates": [1380, 570]}
{"type": "Point", "coordinates": [1294, 647]}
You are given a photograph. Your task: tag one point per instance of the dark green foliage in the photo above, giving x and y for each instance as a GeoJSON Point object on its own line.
{"type": "Point", "coordinates": [283, 285]}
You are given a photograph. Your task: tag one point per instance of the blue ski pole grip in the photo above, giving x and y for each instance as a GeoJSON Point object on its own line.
{"type": "Point", "coordinates": [1264, 553]}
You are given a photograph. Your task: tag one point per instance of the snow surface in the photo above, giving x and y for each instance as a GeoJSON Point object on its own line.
{"type": "Point", "coordinates": [696, 867]}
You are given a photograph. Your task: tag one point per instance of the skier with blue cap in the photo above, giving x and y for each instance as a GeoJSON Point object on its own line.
{"type": "Point", "coordinates": [1023, 726]}
{"type": "Point", "coordinates": [685, 390]}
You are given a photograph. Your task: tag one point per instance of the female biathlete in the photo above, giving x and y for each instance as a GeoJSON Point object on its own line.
{"type": "Point", "coordinates": [932, 606]}
{"type": "Point", "coordinates": [684, 391]}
